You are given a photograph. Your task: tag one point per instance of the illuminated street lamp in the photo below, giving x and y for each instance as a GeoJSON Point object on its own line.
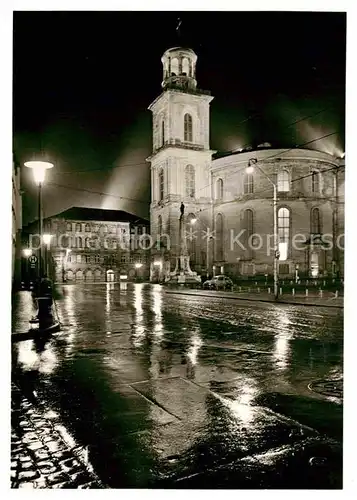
{"type": "Point", "coordinates": [27, 252]}
{"type": "Point", "coordinates": [249, 170]}
{"type": "Point", "coordinates": [138, 265]}
{"type": "Point", "coordinates": [39, 172]}
{"type": "Point", "coordinates": [46, 238]}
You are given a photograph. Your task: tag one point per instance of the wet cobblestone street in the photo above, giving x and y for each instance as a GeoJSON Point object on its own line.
{"type": "Point", "coordinates": [40, 456]}
{"type": "Point", "coordinates": [143, 389]}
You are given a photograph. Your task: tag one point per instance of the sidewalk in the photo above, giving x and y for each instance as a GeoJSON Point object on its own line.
{"type": "Point", "coordinates": [42, 454]}
{"type": "Point", "coordinates": [265, 297]}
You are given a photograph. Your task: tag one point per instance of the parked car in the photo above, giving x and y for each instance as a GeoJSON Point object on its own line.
{"type": "Point", "coordinates": [219, 282]}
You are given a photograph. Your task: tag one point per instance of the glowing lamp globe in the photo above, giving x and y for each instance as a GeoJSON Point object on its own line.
{"type": "Point", "coordinates": [27, 252]}
{"type": "Point", "coordinates": [250, 169]}
{"type": "Point", "coordinates": [39, 169]}
{"type": "Point", "coordinates": [138, 265]}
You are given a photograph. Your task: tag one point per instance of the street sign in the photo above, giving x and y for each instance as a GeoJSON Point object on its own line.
{"type": "Point", "coordinates": [32, 259]}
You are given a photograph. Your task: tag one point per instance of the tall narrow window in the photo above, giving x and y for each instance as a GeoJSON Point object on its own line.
{"type": "Point", "coordinates": [185, 66]}
{"type": "Point", "coordinates": [87, 228]}
{"type": "Point", "coordinates": [248, 184]}
{"type": "Point", "coordinates": [159, 225]}
{"type": "Point", "coordinates": [187, 136]}
{"type": "Point", "coordinates": [315, 221]}
{"type": "Point", "coordinates": [190, 181]}
{"type": "Point", "coordinates": [174, 66]}
{"type": "Point", "coordinates": [283, 232]}
{"type": "Point", "coordinates": [219, 238]}
{"type": "Point", "coordinates": [283, 181]}
{"type": "Point", "coordinates": [162, 133]}
{"type": "Point", "coordinates": [161, 184]}
{"type": "Point", "coordinates": [315, 182]}
{"type": "Point", "coordinates": [78, 227]}
{"type": "Point", "coordinates": [219, 189]}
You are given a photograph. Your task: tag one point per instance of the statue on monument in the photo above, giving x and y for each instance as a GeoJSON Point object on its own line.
{"type": "Point", "coordinates": [182, 210]}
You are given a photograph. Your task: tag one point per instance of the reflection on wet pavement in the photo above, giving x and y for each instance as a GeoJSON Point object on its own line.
{"type": "Point", "coordinates": [173, 389]}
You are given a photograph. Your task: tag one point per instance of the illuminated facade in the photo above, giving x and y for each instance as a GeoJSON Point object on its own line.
{"type": "Point", "coordinates": [229, 212]}
{"type": "Point", "coordinates": [98, 245]}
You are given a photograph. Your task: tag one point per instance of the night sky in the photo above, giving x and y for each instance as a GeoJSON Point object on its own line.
{"type": "Point", "coordinates": [83, 82]}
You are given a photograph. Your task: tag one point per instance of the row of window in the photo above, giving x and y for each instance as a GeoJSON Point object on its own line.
{"type": "Point", "coordinates": [88, 228]}
{"type": "Point", "coordinates": [106, 259]}
{"type": "Point", "coordinates": [190, 189]}
{"type": "Point", "coordinates": [175, 69]}
{"type": "Point", "coordinates": [187, 129]}
{"type": "Point", "coordinates": [282, 181]}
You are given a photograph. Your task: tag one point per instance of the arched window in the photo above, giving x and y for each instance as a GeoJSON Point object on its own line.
{"type": "Point", "coordinates": [87, 243]}
{"type": "Point", "coordinates": [248, 184]}
{"type": "Point", "coordinates": [315, 182]}
{"type": "Point", "coordinates": [174, 66]}
{"type": "Point", "coordinates": [219, 238]}
{"type": "Point", "coordinates": [219, 189]}
{"type": "Point", "coordinates": [159, 225]}
{"type": "Point", "coordinates": [315, 221]}
{"type": "Point", "coordinates": [190, 181]}
{"type": "Point", "coordinates": [162, 133]}
{"type": "Point", "coordinates": [283, 232]}
{"type": "Point", "coordinates": [78, 227]}
{"type": "Point", "coordinates": [185, 66]}
{"type": "Point", "coordinates": [79, 242]}
{"type": "Point", "coordinates": [161, 184]}
{"type": "Point", "coordinates": [87, 228]}
{"type": "Point", "coordinates": [187, 134]}
{"type": "Point", "coordinates": [283, 181]}
{"type": "Point", "coordinates": [69, 226]}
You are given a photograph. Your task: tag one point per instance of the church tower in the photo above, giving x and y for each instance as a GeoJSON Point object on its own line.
{"type": "Point", "coordinates": [180, 164]}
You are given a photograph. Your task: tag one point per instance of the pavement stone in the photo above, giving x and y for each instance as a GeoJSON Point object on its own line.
{"type": "Point", "coordinates": [39, 456]}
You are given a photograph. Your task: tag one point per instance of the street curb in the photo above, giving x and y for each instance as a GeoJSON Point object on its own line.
{"type": "Point", "coordinates": [253, 299]}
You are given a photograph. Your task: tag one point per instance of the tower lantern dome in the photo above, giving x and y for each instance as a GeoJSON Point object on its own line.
{"type": "Point", "coordinates": [179, 69]}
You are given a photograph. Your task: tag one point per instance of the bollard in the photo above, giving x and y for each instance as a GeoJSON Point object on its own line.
{"type": "Point", "coordinates": [281, 291]}
{"type": "Point", "coordinates": [306, 292]}
{"type": "Point", "coordinates": [45, 317]}
{"type": "Point", "coordinates": [269, 290]}
{"type": "Point", "coordinates": [320, 292]}
{"type": "Point", "coordinates": [336, 294]}
{"type": "Point", "coordinates": [293, 291]}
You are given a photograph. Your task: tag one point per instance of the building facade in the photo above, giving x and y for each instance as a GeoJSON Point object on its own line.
{"type": "Point", "coordinates": [16, 224]}
{"type": "Point", "coordinates": [95, 245]}
{"type": "Point", "coordinates": [228, 208]}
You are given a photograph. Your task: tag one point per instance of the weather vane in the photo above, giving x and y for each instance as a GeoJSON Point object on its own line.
{"type": "Point", "coordinates": [179, 22]}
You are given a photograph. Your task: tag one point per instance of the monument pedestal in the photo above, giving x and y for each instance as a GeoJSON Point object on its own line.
{"type": "Point", "coordinates": [182, 275]}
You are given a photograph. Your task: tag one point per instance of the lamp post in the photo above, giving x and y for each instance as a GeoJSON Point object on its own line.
{"type": "Point", "coordinates": [39, 172]}
{"type": "Point", "coordinates": [27, 252]}
{"type": "Point", "coordinates": [64, 263]}
{"type": "Point", "coordinates": [47, 240]}
{"type": "Point", "coordinates": [249, 170]}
